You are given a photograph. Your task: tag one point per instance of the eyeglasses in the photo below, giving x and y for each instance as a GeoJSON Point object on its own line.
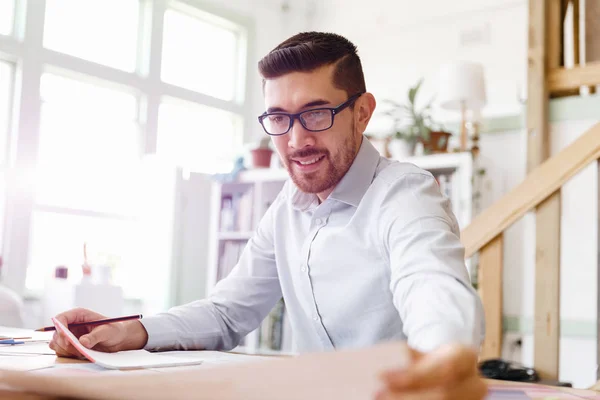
{"type": "Point", "coordinates": [314, 120]}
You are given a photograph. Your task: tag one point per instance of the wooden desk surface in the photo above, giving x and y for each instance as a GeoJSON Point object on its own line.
{"type": "Point", "coordinates": [494, 384]}
{"type": "Point", "coordinates": [35, 361]}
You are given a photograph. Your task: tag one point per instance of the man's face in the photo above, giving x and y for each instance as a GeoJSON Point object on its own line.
{"type": "Point", "coordinates": [316, 161]}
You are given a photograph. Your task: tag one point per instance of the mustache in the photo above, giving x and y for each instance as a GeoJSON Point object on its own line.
{"type": "Point", "coordinates": [307, 153]}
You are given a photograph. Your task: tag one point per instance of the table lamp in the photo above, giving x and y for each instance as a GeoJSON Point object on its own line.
{"type": "Point", "coordinates": [462, 88]}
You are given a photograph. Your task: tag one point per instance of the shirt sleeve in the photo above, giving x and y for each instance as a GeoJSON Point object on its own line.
{"type": "Point", "coordinates": [429, 281]}
{"type": "Point", "coordinates": [235, 307]}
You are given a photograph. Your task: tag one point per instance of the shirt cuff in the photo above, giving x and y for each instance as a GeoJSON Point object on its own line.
{"type": "Point", "coordinates": [160, 336]}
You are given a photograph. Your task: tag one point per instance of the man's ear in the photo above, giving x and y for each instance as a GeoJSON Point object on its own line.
{"type": "Point", "coordinates": [364, 109]}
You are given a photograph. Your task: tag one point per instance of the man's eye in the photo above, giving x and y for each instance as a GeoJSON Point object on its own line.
{"type": "Point", "coordinates": [277, 119]}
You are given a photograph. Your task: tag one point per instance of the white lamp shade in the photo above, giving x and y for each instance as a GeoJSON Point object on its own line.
{"type": "Point", "coordinates": [462, 83]}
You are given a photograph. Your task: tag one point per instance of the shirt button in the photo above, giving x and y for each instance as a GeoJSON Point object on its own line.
{"type": "Point", "coordinates": [316, 318]}
{"type": "Point", "coordinates": [303, 269]}
{"type": "Point", "coordinates": [318, 221]}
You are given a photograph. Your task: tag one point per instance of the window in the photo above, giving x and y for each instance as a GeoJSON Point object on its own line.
{"type": "Point", "coordinates": [200, 54]}
{"type": "Point", "coordinates": [198, 138]}
{"type": "Point", "coordinates": [105, 32]}
{"type": "Point", "coordinates": [109, 242]}
{"type": "Point", "coordinates": [7, 14]}
{"type": "Point", "coordinates": [89, 143]}
{"type": "Point", "coordinates": [6, 94]}
{"type": "Point", "coordinates": [6, 84]}
{"type": "Point", "coordinates": [90, 129]}
{"type": "Point", "coordinates": [93, 183]}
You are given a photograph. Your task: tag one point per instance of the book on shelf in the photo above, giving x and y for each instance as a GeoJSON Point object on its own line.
{"type": "Point", "coordinates": [236, 211]}
{"type": "Point", "coordinates": [229, 256]}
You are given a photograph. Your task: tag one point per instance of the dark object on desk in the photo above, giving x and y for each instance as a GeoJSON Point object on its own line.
{"type": "Point", "coordinates": [507, 371]}
{"type": "Point", "coordinates": [500, 369]}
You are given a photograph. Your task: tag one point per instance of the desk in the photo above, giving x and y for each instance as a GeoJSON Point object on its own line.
{"type": "Point", "coordinates": [351, 374]}
{"type": "Point", "coordinates": [35, 362]}
{"type": "Point", "coordinates": [535, 391]}
{"type": "Point", "coordinates": [540, 392]}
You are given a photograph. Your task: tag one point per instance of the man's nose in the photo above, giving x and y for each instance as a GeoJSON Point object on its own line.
{"type": "Point", "coordinates": [299, 137]}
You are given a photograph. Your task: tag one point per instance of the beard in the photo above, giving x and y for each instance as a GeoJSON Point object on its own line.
{"type": "Point", "coordinates": [332, 170]}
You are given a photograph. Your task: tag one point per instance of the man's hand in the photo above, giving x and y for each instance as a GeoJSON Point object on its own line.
{"type": "Point", "coordinates": [117, 336]}
{"type": "Point", "coordinates": [449, 372]}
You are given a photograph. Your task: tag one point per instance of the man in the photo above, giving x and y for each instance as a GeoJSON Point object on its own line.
{"type": "Point", "coordinates": [361, 248]}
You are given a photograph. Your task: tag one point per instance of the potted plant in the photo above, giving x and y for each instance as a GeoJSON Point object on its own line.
{"type": "Point", "coordinates": [414, 125]}
{"type": "Point", "coordinates": [261, 155]}
{"type": "Point", "coordinates": [438, 140]}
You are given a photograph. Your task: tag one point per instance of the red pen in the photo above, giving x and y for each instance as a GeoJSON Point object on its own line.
{"type": "Point", "coordinates": [92, 323]}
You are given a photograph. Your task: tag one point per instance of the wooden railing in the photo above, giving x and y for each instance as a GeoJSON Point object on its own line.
{"type": "Point", "coordinates": [485, 235]}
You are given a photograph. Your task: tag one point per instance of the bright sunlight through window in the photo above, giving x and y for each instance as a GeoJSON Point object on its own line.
{"type": "Point", "coordinates": [6, 85]}
{"type": "Point", "coordinates": [200, 55]}
{"type": "Point", "coordinates": [199, 138]}
{"type": "Point", "coordinates": [105, 32]}
{"type": "Point", "coordinates": [89, 141]}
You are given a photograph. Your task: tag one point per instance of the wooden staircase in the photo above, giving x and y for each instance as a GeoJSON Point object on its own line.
{"type": "Point", "coordinates": [550, 75]}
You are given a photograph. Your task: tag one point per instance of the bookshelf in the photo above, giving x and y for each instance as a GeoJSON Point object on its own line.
{"type": "Point", "coordinates": [240, 205]}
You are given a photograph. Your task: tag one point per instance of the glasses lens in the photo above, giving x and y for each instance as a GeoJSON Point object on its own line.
{"type": "Point", "coordinates": [317, 120]}
{"type": "Point", "coordinates": [276, 124]}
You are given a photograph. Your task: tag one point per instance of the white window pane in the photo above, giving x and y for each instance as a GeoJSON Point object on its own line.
{"type": "Point", "coordinates": [89, 146]}
{"type": "Point", "coordinates": [200, 55]}
{"type": "Point", "coordinates": [7, 14]}
{"type": "Point", "coordinates": [6, 91]}
{"type": "Point", "coordinates": [58, 239]}
{"type": "Point", "coordinates": [202, 139]}
{"type": "Point", "coordinates": [104, 32]}
{"type": "Point", "coordinates": [138, 248]}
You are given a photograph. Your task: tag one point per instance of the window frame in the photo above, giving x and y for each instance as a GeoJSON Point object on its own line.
{"type": "Point", "coordinates": [25, 48]}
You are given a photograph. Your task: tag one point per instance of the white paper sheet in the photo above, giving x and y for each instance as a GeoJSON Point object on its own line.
{"type": "Point", "coordinates": [125, 359]}
{"type": "Point", "coordinates": [27, 348]}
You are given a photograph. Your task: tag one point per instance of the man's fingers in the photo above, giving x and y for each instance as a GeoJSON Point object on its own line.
{"type": "Point", "coordinates": [473, 388]}
{"type": "Point", "coordinates": [438, 368]}
{"type": "Point", "coordinates": [98, 335]}
{"type": "Point", "coordinates": [64, 351]}
{"type": "Point", "coordinates": [78, 315]}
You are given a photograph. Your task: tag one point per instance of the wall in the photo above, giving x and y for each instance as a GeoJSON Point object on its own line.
{"type": "Point", "coordinates": [401, 41]}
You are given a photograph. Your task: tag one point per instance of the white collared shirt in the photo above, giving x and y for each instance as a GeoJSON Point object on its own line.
{"type": "Point", "coordinates": [380, 259]}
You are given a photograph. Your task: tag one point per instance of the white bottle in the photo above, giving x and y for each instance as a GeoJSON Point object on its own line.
{"type": "Point", "coordinates": [58, 294]}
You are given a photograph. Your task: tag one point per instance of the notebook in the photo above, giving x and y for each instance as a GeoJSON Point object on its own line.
{"type": "Point", "coordinates": [130, 359]}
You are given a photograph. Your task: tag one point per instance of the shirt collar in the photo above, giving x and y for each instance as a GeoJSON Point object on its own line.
{"type": "Point", "coordinates": [353, 185]}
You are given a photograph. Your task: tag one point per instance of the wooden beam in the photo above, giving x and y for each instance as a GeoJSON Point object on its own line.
{"type": "Point", "coordinates": [546, 332]}
{"type": "Point", "coordinates": [537, 186]}
{"type": "Point", "coordinates": [546, 337]}
{"type": "Point", "coordinates": [592, 30]}
{"type": "Point", "coordinates": [490, 290]}
{"type": "Point", "coordinates": [537, 89]}
{"type": "Point", "coordinates": [576, 18]}
{"type": "Point", "coordinates": [554, 33]}
{"type": "Point", "coordinates": [568, 79]}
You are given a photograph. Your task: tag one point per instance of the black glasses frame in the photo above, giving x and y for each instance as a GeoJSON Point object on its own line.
{"type": "Point", "coordinates": [334, 111]}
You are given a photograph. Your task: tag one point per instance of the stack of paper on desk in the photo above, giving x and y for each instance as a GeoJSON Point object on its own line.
{"type": "Point", "coordinates": [348, 375]}
{"type": "Point", "coordinates": [38, 344]}
{"type": "Point", "coordinates": [125, 359]}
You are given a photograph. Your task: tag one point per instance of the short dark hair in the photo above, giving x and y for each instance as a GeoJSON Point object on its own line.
{"type": "Point", "coordinates": [307, 51]}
